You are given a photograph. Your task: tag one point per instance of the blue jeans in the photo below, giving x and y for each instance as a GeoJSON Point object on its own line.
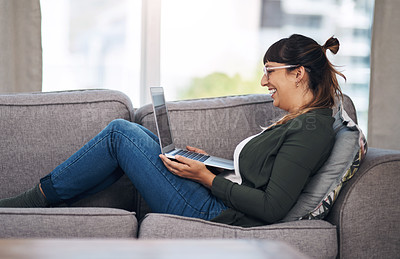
{"type": "Point", "coordinates": [125, 147]}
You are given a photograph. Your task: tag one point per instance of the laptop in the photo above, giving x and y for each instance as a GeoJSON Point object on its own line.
{"type": "Point", "coordinates": [166, 140]}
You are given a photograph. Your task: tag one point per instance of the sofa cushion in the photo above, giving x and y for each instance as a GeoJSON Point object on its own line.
{"type": "Point", "coordinates": [316, 238]}
{"type": "Point", "coordinates": [40, 130]}
{"type": "Point", "coordinates": [67, 223]}
{"type": "Point", "coordinates": [320, 193]}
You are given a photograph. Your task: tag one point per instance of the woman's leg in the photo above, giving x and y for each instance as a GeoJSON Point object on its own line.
{"type": "Point", "coordinates": [129, 147]}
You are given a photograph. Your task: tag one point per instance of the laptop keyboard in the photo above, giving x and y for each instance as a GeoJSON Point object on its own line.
{"type": "Point", "coordinates": [192, 155]}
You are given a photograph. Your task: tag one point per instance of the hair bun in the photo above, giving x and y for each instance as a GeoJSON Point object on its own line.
{"type": "Point", "coordinates": [332, 44]}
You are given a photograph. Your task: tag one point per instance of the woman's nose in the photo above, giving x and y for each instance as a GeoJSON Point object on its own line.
{"type": "Point", "coordinates": [264, 81]}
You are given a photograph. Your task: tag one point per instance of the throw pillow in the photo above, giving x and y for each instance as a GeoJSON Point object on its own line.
{"type": "Point", "coordinates": [320, 193]}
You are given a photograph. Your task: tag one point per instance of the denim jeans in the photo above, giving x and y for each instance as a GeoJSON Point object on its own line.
{"type": "Point", "coordinates": [125, 147]}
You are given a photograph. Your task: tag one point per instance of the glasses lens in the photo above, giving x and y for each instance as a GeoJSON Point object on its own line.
{"type": "Point", "coordinates": [265, 71]}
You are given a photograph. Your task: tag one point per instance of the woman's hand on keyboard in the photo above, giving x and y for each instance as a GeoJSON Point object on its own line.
{"type": "Point", "coordinates": [197, 150]}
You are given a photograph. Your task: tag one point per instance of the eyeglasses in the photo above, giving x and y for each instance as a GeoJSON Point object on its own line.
{"type": "Point", "coordinates": [266, 69]}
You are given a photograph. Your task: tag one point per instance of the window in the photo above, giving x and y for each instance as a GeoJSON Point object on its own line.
{"type": "Point", "coordinates": [203, 48]}
{"type": "Point", "coordinates": [211, 48]}
{"type": "Point", "coordinates": [91, 44]}
{"type": "Point", "coordinates": [304, 20]}
{"type": "Point", "coordinates": [271, 14]}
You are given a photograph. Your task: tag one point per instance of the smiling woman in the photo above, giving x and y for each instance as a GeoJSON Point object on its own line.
{"type": "Point", "coordinates": [309, 84]}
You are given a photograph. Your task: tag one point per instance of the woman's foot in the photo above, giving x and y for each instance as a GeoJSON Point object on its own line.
{"type": "Point", "coordinates": [33, 198]}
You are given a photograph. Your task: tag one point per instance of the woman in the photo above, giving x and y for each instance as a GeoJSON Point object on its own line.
{"type": "Point", "coordinates": [273, 166]}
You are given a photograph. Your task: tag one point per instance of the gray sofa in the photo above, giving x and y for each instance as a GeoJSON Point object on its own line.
{"type": "Point", "coordinates": [40, 130]}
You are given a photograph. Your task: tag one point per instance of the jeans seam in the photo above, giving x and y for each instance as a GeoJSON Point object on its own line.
{"type": "Point", "coordinates": [54, 177]}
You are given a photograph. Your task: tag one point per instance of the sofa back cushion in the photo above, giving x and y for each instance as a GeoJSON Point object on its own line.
{"type": "Point", "coordinates": [39, 131]}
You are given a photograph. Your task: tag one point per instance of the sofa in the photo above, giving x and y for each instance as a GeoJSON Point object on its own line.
{"type": "Point", "coordinates": [40, 130]}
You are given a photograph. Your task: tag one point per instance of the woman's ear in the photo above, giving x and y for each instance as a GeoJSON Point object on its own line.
{"type": "Point", "coordinates": [300, 72]}
{"type": "Point", "coordinates": [300, 76]}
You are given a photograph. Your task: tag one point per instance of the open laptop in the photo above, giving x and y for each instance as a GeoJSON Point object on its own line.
{"type": "Point", "coordinates": [166, 141]}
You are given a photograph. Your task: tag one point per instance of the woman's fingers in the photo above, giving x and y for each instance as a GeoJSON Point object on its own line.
{"type": "Point", "coordinates": [185, 167]}
{"type": "Point", "coordinates": [197, 150]}
{"type": "Point", "coordinates": [187, 161]}
{"type": "Point", "coordinates": [174, 167]}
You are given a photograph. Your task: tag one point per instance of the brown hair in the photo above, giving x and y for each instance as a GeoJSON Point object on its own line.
{"type": "Point", "coordinates": [303, 51]}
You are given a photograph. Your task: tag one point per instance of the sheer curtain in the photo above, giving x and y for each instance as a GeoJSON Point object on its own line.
{"type": "Point", "coordinates": [20, 46]}
{"type": "Point", "coordinates": [384, 103]}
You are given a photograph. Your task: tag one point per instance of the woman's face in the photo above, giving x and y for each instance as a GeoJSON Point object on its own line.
{"type": "Point", "coordinates": [286, 87]}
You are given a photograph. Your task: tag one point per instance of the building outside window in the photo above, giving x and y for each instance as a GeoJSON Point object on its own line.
{"type": "Point", "coordinates": [207, 48]}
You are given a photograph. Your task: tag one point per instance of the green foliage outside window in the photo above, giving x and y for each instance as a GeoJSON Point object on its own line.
{"type": "Point", "coordinates": [220, 84]}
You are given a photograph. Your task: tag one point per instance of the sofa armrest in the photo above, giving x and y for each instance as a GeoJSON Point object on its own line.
{"type": "Point", "coordinates": [366, 212]}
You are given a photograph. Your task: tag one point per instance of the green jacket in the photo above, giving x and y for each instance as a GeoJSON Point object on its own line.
{"type": "Point", "coordinates": [275, 166]}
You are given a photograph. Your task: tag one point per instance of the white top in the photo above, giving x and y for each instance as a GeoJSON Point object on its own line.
{"type": "Point", "coordinates": [234, 176]}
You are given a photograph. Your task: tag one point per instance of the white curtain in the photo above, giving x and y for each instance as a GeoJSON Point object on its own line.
{"type": "Point", "coordinates": [384, 103]}
{"type": "Point", "coordinates": [20, 46]}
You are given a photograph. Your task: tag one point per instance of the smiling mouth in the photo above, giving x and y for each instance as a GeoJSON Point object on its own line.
{"type": "Point", "coordinates": [272, 91]}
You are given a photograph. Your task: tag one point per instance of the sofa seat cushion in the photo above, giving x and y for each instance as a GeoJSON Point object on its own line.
{"type": "Point", "coordinates": [316, 238]}
{"type": "Point", "coordinates": [67, 223]}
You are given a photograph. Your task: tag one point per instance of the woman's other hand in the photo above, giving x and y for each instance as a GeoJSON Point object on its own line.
{"type": "Point", "coordinates": [197, 150]}
{"type": "Point", "coordinates": [190, 169]}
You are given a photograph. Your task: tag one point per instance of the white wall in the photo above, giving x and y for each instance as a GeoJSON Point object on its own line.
{"type": "Point", "coordinates": [384, 104]}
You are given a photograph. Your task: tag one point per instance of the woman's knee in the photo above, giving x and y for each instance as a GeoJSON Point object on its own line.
{"type": "Point", "coordinates": [123, 125]}
{"type": "Point", "coordinates": [131, 129]}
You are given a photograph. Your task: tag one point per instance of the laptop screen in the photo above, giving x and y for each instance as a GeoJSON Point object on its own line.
{"type": "Point", "coordinates": [162, 119]}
